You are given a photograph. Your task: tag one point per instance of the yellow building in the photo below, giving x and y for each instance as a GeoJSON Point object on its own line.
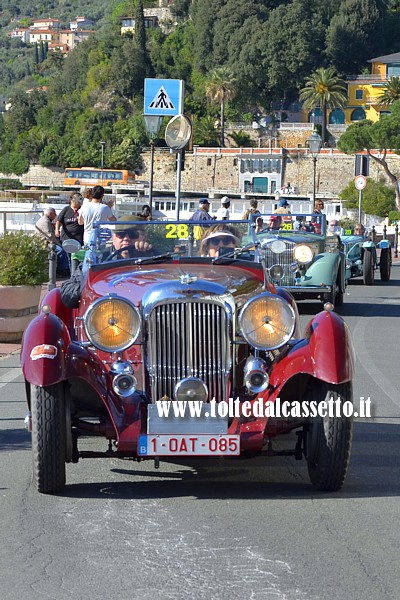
{"type": "Point", "coordinates": [363, 94]}
{"type": "Point", "coordinates": [364, 91]}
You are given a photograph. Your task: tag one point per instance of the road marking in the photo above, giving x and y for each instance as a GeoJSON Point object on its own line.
{"type": "Point", "coordinates": [9, 376]}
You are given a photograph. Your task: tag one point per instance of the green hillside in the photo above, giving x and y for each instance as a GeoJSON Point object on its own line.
{"type": "Point", "coordinates": [251, 57]}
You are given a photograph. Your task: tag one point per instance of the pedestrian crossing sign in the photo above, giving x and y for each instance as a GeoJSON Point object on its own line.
{"type": "Point", "coordinates": [163, 97]}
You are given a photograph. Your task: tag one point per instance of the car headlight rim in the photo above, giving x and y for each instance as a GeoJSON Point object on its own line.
{"type": "Point", "coordinates": [282, 335]}
{"type": "Point", "coordinates": [96, 337]}
{"type": "Point", "coordinates": [303, 254]}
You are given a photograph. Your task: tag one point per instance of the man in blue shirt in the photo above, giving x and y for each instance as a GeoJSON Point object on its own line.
{"type": "Point", "coordinates": [202, 213]}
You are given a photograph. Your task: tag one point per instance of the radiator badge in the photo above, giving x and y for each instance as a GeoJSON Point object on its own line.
{"type": "Point", "coordinates": [188, 278]}
{"type": "Point", "coordinates": [43, 351]}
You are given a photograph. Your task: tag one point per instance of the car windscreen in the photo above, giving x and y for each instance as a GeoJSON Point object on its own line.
{"type": "Point", "coordinates": [142, 240]}
{"type": "Point", "coordinates": [289, 225]}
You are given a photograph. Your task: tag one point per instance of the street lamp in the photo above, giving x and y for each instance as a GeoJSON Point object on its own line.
{"type": "Point", "coordinates": [153, 124]}
{"type": "Point", "coordinates": [102, 159]}
{"type": "Point", "coordinates": [314, 144]}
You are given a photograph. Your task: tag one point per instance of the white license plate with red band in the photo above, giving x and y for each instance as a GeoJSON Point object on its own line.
{"type": "Point", "coordinates": [189, 445]}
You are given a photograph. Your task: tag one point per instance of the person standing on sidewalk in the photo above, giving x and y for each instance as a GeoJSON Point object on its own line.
{"type": "Point", "coordinates": [44, 227]}
{"type": "Point", "coordinates": [93, 212]}
{"type": "Point", "coordinates": [223, 213]}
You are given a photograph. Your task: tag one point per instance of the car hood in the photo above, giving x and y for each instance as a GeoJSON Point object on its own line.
{"type": "Point", "coordinates": [133, 283]}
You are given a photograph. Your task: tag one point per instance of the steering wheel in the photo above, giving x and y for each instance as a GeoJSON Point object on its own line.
{"type": "Point", "coordinates": [119, 253]}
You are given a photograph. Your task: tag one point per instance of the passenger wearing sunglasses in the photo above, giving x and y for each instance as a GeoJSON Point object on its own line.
{"type": "Point", "coordinates": [219, 238]}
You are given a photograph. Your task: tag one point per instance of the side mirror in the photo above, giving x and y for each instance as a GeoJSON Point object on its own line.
{"type": "Point", "coordinates": [71, 246]}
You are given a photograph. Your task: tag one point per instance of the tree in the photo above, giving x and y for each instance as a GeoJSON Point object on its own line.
{"type": "Point", "coordinates": [140, 35]}
{"type": "Point", "coordinates": [241, 139]}
{"type": "Point", "coordinates": [377, 198]}
{"type": "Point", "coordinates": [354, 35]}
{"type": "Point", "coordinates": [290, 48]}
{"type": "Point", "coordinates": [204, 14]}
{"type": "Point", "coordinates": [376, 138]}
{"type": "Point", "coordinates": [325, 90]}
{"type": "Point", "coordinates": [220, 88]}
{"type": "Point", "coordinates": [390, 93]}
{"type": "Point", "coordinates": [205, 133]}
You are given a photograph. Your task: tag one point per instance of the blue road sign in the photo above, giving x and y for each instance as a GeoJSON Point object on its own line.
{"type": "Point", "coordinates": [163, 97]}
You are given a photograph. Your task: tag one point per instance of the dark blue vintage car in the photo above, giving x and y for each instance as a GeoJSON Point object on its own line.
{"type": "Point", "coordinates": [363, 259]}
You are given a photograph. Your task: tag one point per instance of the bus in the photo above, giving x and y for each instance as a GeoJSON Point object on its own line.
{"type": "Point", "coordinates": [90, 176]}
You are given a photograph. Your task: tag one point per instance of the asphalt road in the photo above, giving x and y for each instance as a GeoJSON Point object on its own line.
{"type": "Point", "coordinates": [250, 530]}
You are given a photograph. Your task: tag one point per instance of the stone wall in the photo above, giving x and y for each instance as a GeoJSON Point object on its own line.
{"type": "Point", "coordinates": [39, 176]}
{"type": "Point", "coordinates": [203, 172]}
{"type": "Point", "coordinates": [214, 170]}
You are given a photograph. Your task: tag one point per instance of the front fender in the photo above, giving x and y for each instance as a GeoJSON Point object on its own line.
{"type": "Point", "coordinates": [322, 271]}
{"type": "Point", "coordinates": [44, 349]}
{"type": "Point", "coordinates": [326, 352]}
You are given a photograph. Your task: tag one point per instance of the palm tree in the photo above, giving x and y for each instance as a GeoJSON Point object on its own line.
{"type": "Point", "coordinates": [241, 139]}
{"type": "Point", "coordinates": [220, 88]}
{"type": "Point", "coordinates": [391, 92]}
{"type": "Point", "coordinates": [323, 89]}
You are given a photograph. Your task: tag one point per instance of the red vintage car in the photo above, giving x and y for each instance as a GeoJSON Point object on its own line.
{"type": "Point", "coordinates": [171, 341]}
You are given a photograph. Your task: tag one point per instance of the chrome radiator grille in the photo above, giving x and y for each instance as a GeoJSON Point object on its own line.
{"type": "Point", "coordinates": [285, 259]}
{"type": "Point", "coordinates": [190, 339]}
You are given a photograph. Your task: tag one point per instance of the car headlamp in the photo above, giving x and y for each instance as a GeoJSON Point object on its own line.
{"type": "Point", "coordinates": [303, 254]}
{"type": "Point", "coordinates": [112, 324]}
{"type": "Point", "coordinates": [267, 322]}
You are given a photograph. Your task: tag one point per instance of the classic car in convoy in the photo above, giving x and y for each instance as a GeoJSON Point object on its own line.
{"type": "Point", "coordinates": [303, 256]}
{"type": "Point", "coordinates": [184, 312]}
{"type": "Point", "coordinates": [362, 258]}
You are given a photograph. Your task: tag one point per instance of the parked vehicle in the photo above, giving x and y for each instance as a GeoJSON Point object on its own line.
{"type": "Point", "coordinates": [303, 256]}
{"type": "Point", "coordinates": [165, 316]}
{"type": "Point", "coordinates": [362, 258]}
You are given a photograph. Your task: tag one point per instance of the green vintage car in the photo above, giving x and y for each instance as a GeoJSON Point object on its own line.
{"type": "Point", "coordinates": [301, 255]}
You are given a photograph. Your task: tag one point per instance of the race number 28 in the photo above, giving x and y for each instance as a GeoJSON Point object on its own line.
{"type": "Point", "coordinates": [177, 231]}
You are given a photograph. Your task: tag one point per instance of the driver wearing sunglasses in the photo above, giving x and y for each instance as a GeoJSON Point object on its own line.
{"type": "Point", "coordinates": [217, 239]}
{"type": "Point", "coordinates": [130, 239]}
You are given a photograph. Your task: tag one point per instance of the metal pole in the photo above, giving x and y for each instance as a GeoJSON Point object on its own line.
{"type": "Point", "coordinates": [359, 205]}
{"type": "Point", "coordinates": [314, 178]}
{"type": "Point", "coordinates": [396, 240]}
{"type": "Point", "coordinates": [178, 182]}
{"type": "Point", "coordinates": [52, 267]}
{"type": "Point", "coordinates": [102, 160]}
{"type": "Point", "coordinates": [151, 176]}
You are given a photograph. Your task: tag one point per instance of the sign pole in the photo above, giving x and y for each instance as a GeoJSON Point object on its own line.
{"type": "Point", "coordinates": [360, 182]}
{"type": "Point", "coordinates": [178, 182]}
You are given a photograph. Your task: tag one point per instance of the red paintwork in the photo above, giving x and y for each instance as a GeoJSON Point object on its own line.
{"type": "Point", "coordinates": [134, 283]}
{"type": "Point", "coordinates": [325, 352]}
{"type": "Point", "coordinates": [45, 329]}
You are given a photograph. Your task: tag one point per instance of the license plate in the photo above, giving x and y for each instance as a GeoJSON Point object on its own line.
{"type": "Point", "coordinates": [189, 445]}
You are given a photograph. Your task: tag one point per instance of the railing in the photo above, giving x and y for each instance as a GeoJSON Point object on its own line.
{"type": "Point", "coordinates": [26, 224]}
{"type": "Point", "coordinates": [239, 125]}
{"type": "Point", "coordinates": [370, 77]}
{"type": "Point", "coordinates": [304, 126]}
